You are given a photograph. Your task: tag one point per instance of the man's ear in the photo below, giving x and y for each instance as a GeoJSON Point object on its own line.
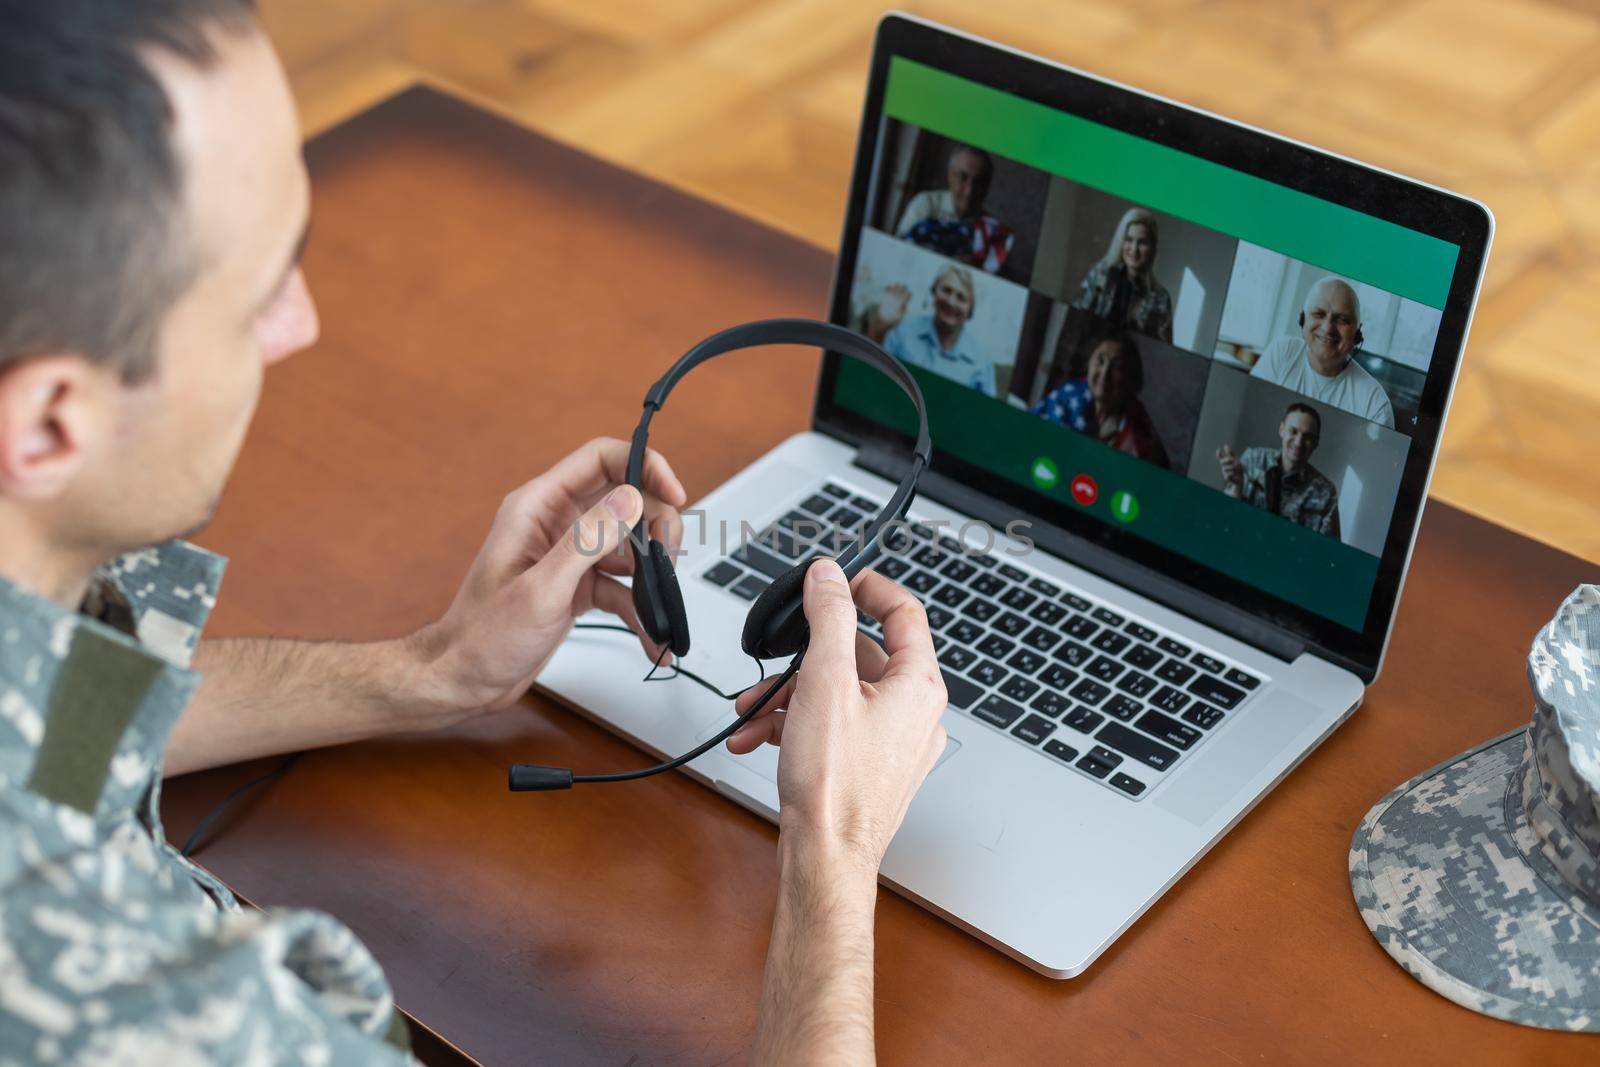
{"type": "Point", "coordinates": [50, 419]}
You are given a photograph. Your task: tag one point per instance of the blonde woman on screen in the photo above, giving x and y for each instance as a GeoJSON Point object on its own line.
{"type": "Point", "coordinates": [1122, 288]}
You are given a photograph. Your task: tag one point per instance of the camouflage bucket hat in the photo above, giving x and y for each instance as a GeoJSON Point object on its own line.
{"type": "Point", "coordinates": [1481, 876]}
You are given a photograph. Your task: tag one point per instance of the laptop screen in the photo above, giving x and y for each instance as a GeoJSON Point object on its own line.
{"type": "Point", "coordinates": [1183, 356]}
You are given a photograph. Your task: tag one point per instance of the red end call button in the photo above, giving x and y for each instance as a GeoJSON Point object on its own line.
{"type": "Point", "coordinates": [1084, 490]}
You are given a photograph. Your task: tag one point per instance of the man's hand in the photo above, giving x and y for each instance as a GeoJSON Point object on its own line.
{"type": "Point", "coordinates": [550, 556]}
{"type": "Point", "coordinates": [861, 726]}
{"type": "Point", "coordinates": [860, 733]}
{"type": "Point", "coordinates": [1232, 471]}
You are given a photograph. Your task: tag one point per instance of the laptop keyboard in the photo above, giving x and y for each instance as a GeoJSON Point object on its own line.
{"type": "Point", "coordinates": [1075, 680]}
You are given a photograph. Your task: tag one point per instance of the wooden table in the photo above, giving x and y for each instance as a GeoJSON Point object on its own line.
{"type": "Point", "coordinates": [491, 299]}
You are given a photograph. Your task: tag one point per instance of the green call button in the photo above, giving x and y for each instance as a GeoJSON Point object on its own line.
{"type": "Point", "coordinates": [1045, 473]}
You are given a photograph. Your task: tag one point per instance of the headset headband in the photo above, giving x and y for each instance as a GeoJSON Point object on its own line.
{"type": "Point", "coordinates": [824, 335]}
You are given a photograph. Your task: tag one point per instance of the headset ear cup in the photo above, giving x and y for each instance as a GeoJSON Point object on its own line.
{"type": "Point", "coordinates": [776, 626]}
{"type": "Point", "coordinates": [670, 597]}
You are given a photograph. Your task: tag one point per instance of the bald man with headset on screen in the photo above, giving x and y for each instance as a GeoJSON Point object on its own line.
{"type": "Point", "coordinates": [1320, 363]}
{"type": "Point", "coordinates": [154, 205]}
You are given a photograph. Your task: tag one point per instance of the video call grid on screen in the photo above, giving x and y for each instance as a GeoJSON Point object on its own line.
{"type": "Point", "coordinates": [1167, 340]}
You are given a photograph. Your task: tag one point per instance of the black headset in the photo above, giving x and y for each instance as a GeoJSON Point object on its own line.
{"type": "Point", "coordinates": [776, 625]}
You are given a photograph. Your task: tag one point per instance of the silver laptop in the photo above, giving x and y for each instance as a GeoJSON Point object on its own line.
{"type": "Point", "coordinates": [1186, 382]}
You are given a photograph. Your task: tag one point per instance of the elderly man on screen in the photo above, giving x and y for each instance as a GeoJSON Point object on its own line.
{"type": "Point", "coordinates": [1319, 362]}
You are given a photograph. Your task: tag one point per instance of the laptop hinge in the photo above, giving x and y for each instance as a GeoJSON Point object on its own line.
{"type": "Point", "coordinates": [886, 462]}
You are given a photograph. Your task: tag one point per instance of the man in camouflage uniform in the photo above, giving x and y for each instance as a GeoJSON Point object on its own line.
{"type": "Point", "coordinates": [152, 209]}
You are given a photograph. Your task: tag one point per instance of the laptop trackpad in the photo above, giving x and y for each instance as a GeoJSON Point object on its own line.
{"type": "Point", "coordinates": [1214, 779]}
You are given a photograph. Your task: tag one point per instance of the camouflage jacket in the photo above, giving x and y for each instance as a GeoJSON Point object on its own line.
{"type": "Point", "coordinates": [113, 948]}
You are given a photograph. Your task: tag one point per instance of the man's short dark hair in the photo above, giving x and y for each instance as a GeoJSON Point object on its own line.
{"type": "Point", "coordinates": [1309, 410]}
{"type": "Point", "coordinates": [92, 244]}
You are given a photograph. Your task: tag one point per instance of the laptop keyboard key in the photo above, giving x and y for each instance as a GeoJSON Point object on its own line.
{"type": "Point", "coordinates": [938, 617]}
{"type": "Point", "coordinates": [1027, 661]}
{"type": "Point", "coordinates": [1076, 602]}
{"type": "Point", "coordinates": [1148, 752]}
{"type": "Point", "coordinates": [1072, 653]}
{"type": "Point", "coordinates": [1109, 617]}
{"type": "Point", "coordinates": [1110, 641]}
{"type": "Point", "coordinates": [1089, 691]}
{"type": "Point", "coordinates": [1048, 612]}
{"type": "Point", "coordinates": [1207, 663]}
{"type": "Point", "coordinates": [980, 609]}
{"type": "Point", "coordinates": [1080, 627]}
{"type": "Point", "coordinates": [951, 596]}
{"type": "Point", "coordinates": [997, 711]}
{"type": "Point", "coordinates": [958, 570]}
{"type": "Point", "coordinates": [995, 646]}
{"type": "Point", "coordinates": [1213, 691]}
{"type": "Point", "coordinates": [1018, 598]}
{"type": "Point", "coordinates": [1095, 763]}
{"type": "Point", "coordinates": [957, 658]}
{"type": "Point", "coordinates": [1174, 648]}
{"type": "Point", "coordinates": [1016, 574]}
{"type": "Point", "coordinates": [1081, 718]}
{"type": "Point", "coordinates": [988, 585]}
{"type": "Point", "coordinates": [1123, 707]}
{"type": "Point", "coordinates": [920, 582]}
{"type": "Point", "coordinates": [1104, 668]}
{"type": "Point", "coordinates": [1175, 672]}
{"type": "Point", "coordinates": [966, 631]}
{"type": "Point", "coordinates": [1139, 633]}
{"type": "Point", "coordinates": [816, 504]}
{"type": "Point", "coordinates": [1039, 585]}
{"type": "Point", "coordinates": [1050, 703]}
{"type": "Point", "coordinates": [1034, 728]}
{"type": "Point", "coordinates": [892, 568]}
{"type": "Point", "coordinates": [866, 504]}
{"type": "Point", "coordinates": [962, 693]}
{"type": "Point", "coordinates": [1042, 639]}
{"type": "Point", "coordinates": [929, 557]}
{"type": "Point", "coordinates": [1139, 685]}
{"type": "Point", "coordinates": [835, 489]}
{"type": "Point", "coordinates": [749, 587]}
{"type": "Point", "coordinates": [1169, 699]}
{"type": "Point", "coordinates": [1143, 656]}
{"type": "Point", "coordinates": [1131, 786]}
{"type": "Point", "coordinates": [1241, 679]}
{"type": "Point", "coordinates": [1170, 730]}
{"type": "Point", "coordinates": [1063, 752]}
{"type": "Point", "coordinates": [988, 673]}
{"type": "Point", "coordinates": [759, 559]}
{"type": "Point", "coordinates": [1057, 677]}
{"type": "Point", "coordinates": [1203, 715]}
{"type": "Point", "coordinates": [722, 573]}
{"type": "Point", "coordinates": [1019, 688]}
{"type": "Point", "coordinates": [1010, 623]}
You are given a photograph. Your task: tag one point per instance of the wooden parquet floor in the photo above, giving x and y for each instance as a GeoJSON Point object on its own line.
{"type": "Point", "coordinates": [754, 104]}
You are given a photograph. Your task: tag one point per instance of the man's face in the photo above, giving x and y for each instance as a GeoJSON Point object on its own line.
{"type": "Point", "coordinates": [1330, 326]}
{"type": "Point", "coordinates": [245, 206]}
{"type": "Point", "coordinates": [952, 305]}
{"type": "Point", "coordinates": [1298, 431]}
{"type": "Point", "coordinates": [966, 178]}
{"type": "Point", "coordinates": [1137, 247]}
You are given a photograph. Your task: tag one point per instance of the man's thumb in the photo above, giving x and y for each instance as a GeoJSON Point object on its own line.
{"type": "Point", "coordinates": [831, 613]}
{"type": "Point", "coordinates": [597, 532]}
